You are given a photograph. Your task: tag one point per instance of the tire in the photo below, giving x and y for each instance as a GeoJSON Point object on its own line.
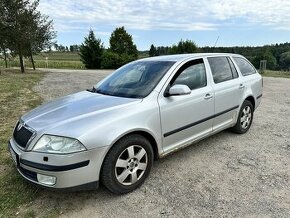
{"type": "Point", "coordinates": [245, 118]}
{"type": "Point", "coordinates": [127, 164]}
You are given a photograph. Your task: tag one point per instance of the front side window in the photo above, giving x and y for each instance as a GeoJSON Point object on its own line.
{"type": "Point", "coordinates": [134, 80]}
{"type": "Point", "coordinates": [245, 67]}
{"type": "Point", "coordinates": [220, 68]}
{"type": "Point", "coordinates": [192, 74]}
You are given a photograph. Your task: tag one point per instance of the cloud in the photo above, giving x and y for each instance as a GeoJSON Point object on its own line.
{"type": "Point", "coordinates": [191, 15]}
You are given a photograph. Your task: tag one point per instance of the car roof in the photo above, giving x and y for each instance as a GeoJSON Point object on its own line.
{"type": "Point", "coordinates": [182, 57]}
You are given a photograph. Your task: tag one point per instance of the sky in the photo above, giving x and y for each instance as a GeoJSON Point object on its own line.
{"type": "Point", "coordinates": [165, 22]}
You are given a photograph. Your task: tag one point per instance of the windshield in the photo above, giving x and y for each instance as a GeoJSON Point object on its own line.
{"type": "Point", "coordinates": [134, 80]}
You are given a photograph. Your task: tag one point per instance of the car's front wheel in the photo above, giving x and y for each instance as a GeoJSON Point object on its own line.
{"type": "Point", "coordinates": [127, 164]}
{"type": "Point", "coordinates": [245, 118]}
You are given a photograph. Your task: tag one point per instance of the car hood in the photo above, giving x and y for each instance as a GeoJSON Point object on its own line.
{"type": "Point", "coordinates": [73, 107]}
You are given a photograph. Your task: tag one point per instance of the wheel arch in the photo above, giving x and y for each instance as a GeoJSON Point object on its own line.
{"type": "Point", "coordinates": [151, 140]}
{"type": "Point", "coordinates": [251, 99]}
{"type": "Point", "coordinates": [146, 135]}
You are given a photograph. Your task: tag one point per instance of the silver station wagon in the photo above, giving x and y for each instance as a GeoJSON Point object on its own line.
{"type": "Point", "coordinates": [143, 111]}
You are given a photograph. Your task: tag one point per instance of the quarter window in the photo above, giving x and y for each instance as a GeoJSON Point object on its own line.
{"type": "Point", "coordinates": [245, 67]}
{"type": "Point", "coordinates": [191, 74]}
{"type": "Point", "coordinates": [220, 68]}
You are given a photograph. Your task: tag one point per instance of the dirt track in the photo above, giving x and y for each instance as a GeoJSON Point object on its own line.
{"type": "Point", "coordinates": [224, 175]}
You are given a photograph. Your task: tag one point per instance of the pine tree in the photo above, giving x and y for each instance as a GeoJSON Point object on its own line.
{"type": "Point", "coordinates": [152, 51]}
{"type": "Point", "coordinates": [91, 51]}
{"type": "Point", "coordinates": [122, 43]}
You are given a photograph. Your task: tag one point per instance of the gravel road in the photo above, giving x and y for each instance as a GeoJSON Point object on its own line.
{"type": "Point", "coordinates": [226, 175]}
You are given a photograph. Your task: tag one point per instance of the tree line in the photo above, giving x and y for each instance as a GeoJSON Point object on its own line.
{"type": "Point", "coordinates": [182, 47]}
{"type": "Point", "coordinates": [277, 55]}
{"type": "Point", "coordinates": [71, 48]}
{"type": "Point", "coordinates": [24, 31]}
{"type": "Point", "coordinates": [121, 50]}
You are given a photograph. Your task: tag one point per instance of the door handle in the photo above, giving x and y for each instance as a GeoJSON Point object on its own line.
{"type": "Point", "coordinates": [241, 86]}
{"type": "Point", "coordinates": [208, 96]}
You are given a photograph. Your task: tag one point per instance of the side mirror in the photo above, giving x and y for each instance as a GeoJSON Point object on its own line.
{"type": "Point", "coordinates": [179, 90]}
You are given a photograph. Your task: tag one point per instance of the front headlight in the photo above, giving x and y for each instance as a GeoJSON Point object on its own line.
{"type": "Point", "coordinates": [58, 145]}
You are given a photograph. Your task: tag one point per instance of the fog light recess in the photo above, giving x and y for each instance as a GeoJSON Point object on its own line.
{"type": "Point", "coordinates": [46, 180]}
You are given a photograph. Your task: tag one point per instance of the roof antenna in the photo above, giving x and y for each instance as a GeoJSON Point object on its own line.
{"type": "Point", "coordinates": [216, 41]}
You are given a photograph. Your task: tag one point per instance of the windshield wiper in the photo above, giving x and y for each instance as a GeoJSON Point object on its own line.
{"type": "Point", "coordinates": [92, 89]}
{"type": "Point", "coordinates": [101, 92]}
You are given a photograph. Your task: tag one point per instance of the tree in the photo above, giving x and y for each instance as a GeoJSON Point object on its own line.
{"type": "Point", "coordinates": [29, 31]}
{"type": "Point", "coordinates": [91, 51]}
{"type": "Point", "coordinates": [111, 60]}
{"type": "Point", "coordinates": [73, 48]}
{"type": "Point", "coordinates": [122, 43]}
{"type": "Point", "coordinates": [267, 55]}
{"type": "Point", "coordinates": [56, 46]}
{"type": "Point", "coordinates": [59, 47]}
{"type": "Point", "coordinates": [152, 51]}
{"type": "Point", "coordinates": [3, 43]}
{"type": "Point", "coordinates": [285, 61]}
{"type": "Point", "coordinates": [41, 34]}
{"type": "Point", "coordinates": [184, 47]}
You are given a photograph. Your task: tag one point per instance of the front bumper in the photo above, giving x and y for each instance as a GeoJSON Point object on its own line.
{"type": "Point", "coordinates": [73, 171]}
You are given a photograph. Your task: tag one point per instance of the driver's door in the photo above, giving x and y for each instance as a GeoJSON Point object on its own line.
{"type": "Point", "coordinates": [186, 118]}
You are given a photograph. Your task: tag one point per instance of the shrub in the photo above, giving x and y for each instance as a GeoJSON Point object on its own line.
{"type": "Point", "coordinates": [112, 60]}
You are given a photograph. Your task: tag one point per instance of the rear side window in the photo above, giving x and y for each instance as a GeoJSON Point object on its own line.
{"type": "Point", "coordinates": [245, 67]}
{"type": "Point", "coordinates": [191, 74]}
{"type": "Point", "coordinates": [221, 69]}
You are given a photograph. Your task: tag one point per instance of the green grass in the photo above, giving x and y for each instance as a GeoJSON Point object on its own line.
{"type": "Point", "coordinates": [16, 98]}
{"type": "Point", "coordinates": [60, 60]}
{"type": "Point", "coordinates": [58, 56]}
{"type": "Point", "coordinates": [272, 73]}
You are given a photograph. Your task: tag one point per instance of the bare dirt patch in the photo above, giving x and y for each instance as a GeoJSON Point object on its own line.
{"type": "Point", "coordinates": [224, 175]}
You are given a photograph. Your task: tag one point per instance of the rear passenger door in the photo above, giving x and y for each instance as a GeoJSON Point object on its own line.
{"type": "Point", "coordinates": [228, 91]}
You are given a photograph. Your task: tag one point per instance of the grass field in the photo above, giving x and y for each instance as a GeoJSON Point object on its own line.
{"type": "Point", "coordinates": [272, 73]}
{"type": "Point", "coordinates": [60, 60]}
{"type": "Point", "coordinates": [16, 97]}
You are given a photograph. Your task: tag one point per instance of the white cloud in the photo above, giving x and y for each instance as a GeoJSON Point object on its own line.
{"type": "Point", "coordinates": [71, 15]}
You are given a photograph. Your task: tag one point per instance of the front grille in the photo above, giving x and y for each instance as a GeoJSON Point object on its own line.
{"type": "Point", "coordinates": [22, 135]}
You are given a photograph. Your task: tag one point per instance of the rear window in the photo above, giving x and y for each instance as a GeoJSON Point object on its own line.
{"type": "Point", "coordinates": [245, 67]}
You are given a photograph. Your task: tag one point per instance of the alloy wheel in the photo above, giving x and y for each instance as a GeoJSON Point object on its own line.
{"type": "Point", "coordinates": [246, 117]}
{"type": "Point", "coordinates": [131, 165]}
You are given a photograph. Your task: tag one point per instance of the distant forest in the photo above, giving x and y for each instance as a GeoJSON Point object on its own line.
{"type": "Point", "coordinates": [277, 55]}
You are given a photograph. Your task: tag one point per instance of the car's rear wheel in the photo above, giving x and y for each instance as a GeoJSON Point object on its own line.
{"type": "Point", "coordinates": [245, 118]}
{"type": "Point", "coordinates": [127, 164]}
